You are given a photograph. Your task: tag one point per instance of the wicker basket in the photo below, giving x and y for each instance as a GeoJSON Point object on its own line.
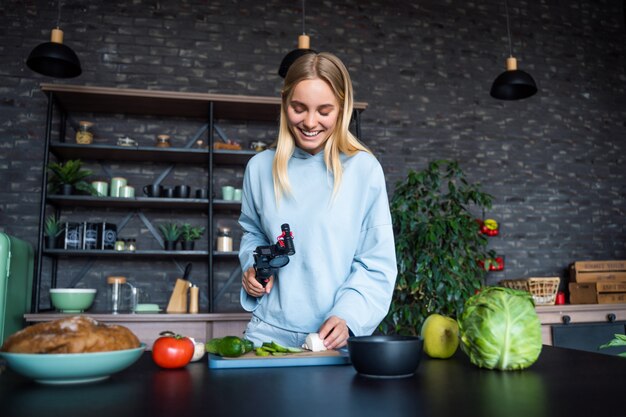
{"type": "Point", "coordinates": [543, 289]}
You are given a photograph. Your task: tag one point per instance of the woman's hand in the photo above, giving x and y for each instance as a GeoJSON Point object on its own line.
{"type": "Point", "coordinates": [252, 286]}
{"type": "Point", "coordinates": [334, 332]}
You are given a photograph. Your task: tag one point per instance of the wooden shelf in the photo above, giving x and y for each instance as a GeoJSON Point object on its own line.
{"type": "Point", "coordinates": [223, 157]}
{"type": "Point", "coordinates": [225, 255]}
{"type": "Point", "coordinates": [148, 254]}
{"type": "Point", "coordinates": [97, 152]}
{"type": "Point", "coordinates": [142, 202]}
{"type": "Point", "coordinates": [134, 202]}
{"type": "Point", "coordinates": [76, 98]}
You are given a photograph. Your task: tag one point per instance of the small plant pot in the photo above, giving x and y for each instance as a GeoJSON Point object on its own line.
{"type": "Point", "coordinates": [51, 242]}
{"type": "Point", "coordinates": [170, 244]}
{"type": "Point", "coordinates": [188, 244]}
{"type": "Point", "coordinates": [67, 189]}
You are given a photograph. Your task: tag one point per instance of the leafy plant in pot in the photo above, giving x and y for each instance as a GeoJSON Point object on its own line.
{"type": "Point", "coordinates": [52, 229]}
{"type": "Point", "coordinates": [171, 233]}
{"type": "Point", "coordinates": [189, 234]}
{"type": "Point", "coordinates": [68, 177]}
{"type": "Point", "coordinates": [437, 245]}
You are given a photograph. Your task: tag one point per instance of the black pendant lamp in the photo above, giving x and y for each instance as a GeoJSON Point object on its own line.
{"type": "Point", "coordinates": [53, 58]}
{"type": "Point", "coordinates": [512, 84]}
{"type": "Point", "coordinates": [304, 44]}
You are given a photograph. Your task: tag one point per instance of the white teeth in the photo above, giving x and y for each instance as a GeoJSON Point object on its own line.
{"type": "Point", "coordinates": [310, 134]}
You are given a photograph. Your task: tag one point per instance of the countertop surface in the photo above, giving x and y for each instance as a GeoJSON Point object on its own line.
{"type": "Point", "coordinates": [562, 382]}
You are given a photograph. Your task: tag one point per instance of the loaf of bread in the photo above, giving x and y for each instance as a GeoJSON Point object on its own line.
{"type": "Point", "coordinates": [77, 334]}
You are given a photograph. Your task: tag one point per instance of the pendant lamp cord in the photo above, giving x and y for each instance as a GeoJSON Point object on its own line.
{"type": "Point", "coordinates": [59, 14]}
{"type": "Point", "coordinates": [303, 14]}
{"type": "Point", "coordinates": [508, 27]}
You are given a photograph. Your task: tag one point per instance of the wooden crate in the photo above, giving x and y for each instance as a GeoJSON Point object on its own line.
{"type": "Point", "coordinates": [582, 293]}
{"type": "Point", "coordinates": [612, 298]}
{"type": "Point", "coordinates": [603, 286]}
{"type": "Point", "coordinates": [598, 271]}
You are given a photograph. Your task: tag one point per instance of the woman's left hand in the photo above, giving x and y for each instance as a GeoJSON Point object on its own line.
{"type": "Point", "coordinates": [334, 332]}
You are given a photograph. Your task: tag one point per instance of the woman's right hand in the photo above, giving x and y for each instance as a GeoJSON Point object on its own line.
{"type": "Point", "coordinates": [252, 286]}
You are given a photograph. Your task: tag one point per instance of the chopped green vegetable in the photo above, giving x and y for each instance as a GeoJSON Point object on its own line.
{"type": "Point", "coordinates": [274, 349]}
{"type": "Point", "coordinates": [268, 347]}
{"type": "Point", "coordinates": [261, 352]}
{"type": "Point", "coordinates": [278, 348]}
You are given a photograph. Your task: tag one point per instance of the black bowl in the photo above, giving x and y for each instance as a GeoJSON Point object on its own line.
{"type": "Point", "coordinates": [385, 356]}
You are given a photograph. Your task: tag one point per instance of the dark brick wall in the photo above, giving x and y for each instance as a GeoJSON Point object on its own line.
{"type": "Point", "coordinates": [554, 162]}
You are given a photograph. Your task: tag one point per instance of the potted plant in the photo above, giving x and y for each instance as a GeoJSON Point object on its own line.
{"type": "Point", "coordinates": [189, 235]}
{"type": "Point", "coordinates": [438, 245]}
{"type": "Point", "coordinates": [69, 177]}
{"type": "Point", "coordinates": [171, 233]}
{"type": "Point", "coordinates": [52, 229]}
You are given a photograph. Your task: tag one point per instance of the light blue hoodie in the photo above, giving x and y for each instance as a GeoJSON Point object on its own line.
{"type": "Point", "coordinates": [345, 262]}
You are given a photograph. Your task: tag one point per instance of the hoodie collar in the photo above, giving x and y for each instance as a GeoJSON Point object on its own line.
{"type": "Point", "coordinates": [302, 154]}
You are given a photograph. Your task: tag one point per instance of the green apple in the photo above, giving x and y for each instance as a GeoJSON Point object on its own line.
{"type": "Point", "coordinates": [441, 336]}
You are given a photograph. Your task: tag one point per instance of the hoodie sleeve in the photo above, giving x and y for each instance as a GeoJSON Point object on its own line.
{"type": "Point", "coordinates": [253, 235]}
{"type": "Point", "coordinates": [364, 298]}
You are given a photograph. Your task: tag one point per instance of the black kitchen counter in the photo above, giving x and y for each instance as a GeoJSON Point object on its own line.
{"type": "Point", "coordinates": [562, 382]}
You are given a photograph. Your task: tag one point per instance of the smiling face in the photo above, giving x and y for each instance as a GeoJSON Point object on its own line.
{"type": "Point", "coordinates": [312, 114]}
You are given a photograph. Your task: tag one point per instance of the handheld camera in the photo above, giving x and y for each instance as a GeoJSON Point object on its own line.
{"type": "Point", "coordinates": [267, 259]}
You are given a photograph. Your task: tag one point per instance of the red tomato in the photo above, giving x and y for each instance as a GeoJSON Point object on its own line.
{"type": "Point", "coordinates": [172, 351]}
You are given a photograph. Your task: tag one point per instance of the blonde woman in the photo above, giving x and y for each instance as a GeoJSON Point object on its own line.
{"type": "Point", "coordinates": [330, 189]}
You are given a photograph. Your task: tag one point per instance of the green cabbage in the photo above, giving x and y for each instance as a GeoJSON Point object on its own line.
{"type": "Point", "coordinates": [500, 329]}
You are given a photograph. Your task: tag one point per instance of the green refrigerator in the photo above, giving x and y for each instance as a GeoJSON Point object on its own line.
{"type": "Point", "coordinates": [16, 281]}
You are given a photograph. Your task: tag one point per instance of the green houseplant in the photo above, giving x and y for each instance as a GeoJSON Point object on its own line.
{"type": "Point", "coordinates": [69, 176]}
{"type": "Point", "coordinates": [438, 245]}
{"type": "Point", "coordinates": [52, 229]}
{"type": "Point", "coordinates": [171, 233]}
{"type": "Point", "coordinates": [189, 234]}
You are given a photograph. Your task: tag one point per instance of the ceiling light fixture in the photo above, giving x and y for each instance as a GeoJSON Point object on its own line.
{"type": "Point", "coordinates": [53, 58]}
{"type": "Point", "coordinates": [512, 84]}
{"type": "Point", "coordinates": [304, 44]}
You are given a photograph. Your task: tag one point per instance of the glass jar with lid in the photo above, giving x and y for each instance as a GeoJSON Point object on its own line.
{"type": "Point", "coordinates": [163, 141]}
{"type": "Point", "coordinates": [224, 240]}
{"type": "Point", "coordinates": [83, 134]}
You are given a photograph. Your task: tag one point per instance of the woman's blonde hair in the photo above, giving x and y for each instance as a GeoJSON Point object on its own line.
{"type": "Point", "coordinates": [326, 67]}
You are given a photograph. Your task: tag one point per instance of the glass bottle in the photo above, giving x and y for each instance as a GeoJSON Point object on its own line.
{"type": "Point", "coordinates": [115, 293]}
{"type": "Point", "coordinates": [224, 240]}
{"type": "Point", "coordinates": [83, 134]}
{"type": "Point", "coordinates": [132, 245]}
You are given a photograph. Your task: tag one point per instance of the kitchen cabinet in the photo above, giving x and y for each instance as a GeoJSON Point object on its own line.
{"type": "Point", "coordinates": [192, 116]}
{"type": "Point", "coordinates": [582, 326]}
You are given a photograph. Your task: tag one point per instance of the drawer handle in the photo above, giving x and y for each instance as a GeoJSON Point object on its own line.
{"type": "Point", "coordinates": [610, 317]}
{"type": "Point", "coordinates": [567, 319]}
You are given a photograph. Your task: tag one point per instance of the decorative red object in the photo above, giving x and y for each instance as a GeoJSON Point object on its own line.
{"type": "Point", "coordinates": [495, 264]}
{"type": "Point", "coordinates": [488, 227]}
{"type": "Point", "coordinates": [560, 298]}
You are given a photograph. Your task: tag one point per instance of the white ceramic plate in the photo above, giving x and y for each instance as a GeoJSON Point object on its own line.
{"type": "Point", "coordinates": [71, 368]}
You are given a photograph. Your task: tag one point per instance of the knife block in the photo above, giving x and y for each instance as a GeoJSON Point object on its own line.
{"type": "Point", "coordinates": [178, 299]}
